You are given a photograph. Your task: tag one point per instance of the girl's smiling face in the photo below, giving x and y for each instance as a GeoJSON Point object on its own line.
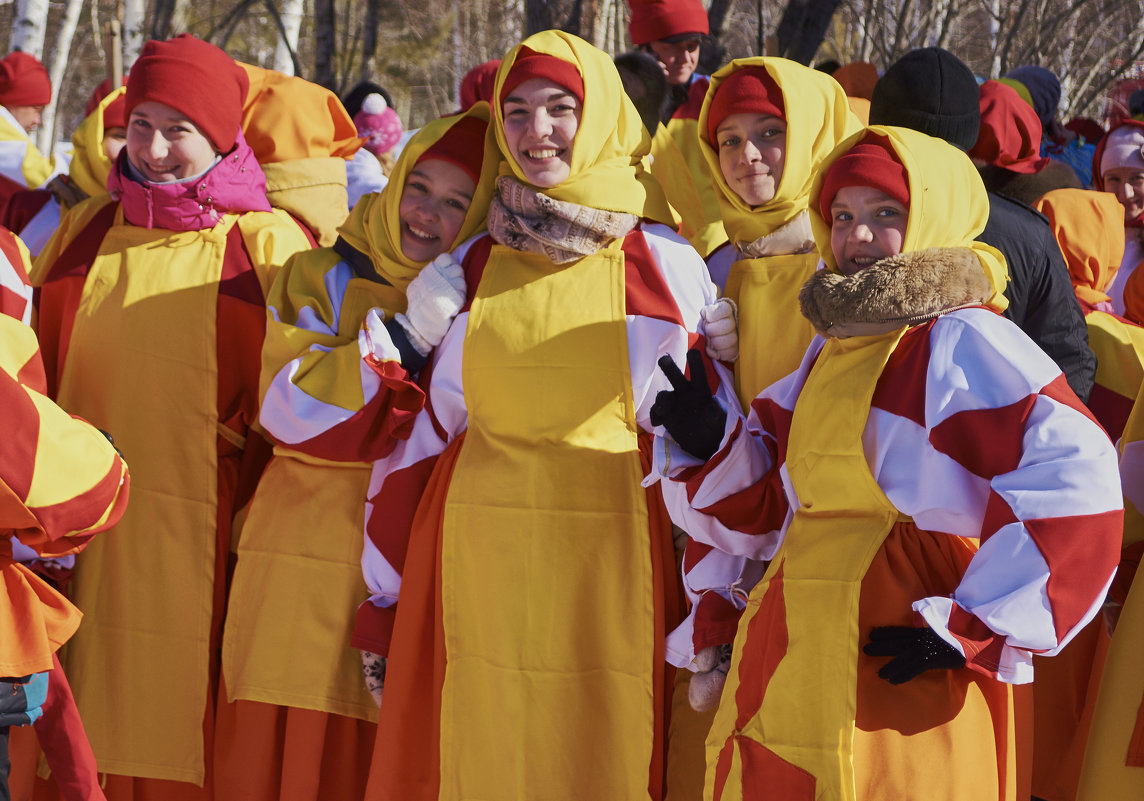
{"type": "Point", "coordinates": [752, 153]}
{"type": "Point", "coordinates": [541, 118]}
{"type": "Point", "coordinates": [163, 145]}
{"type": "Point", "coordinates": [434, 202]}
{"type": "Point", "coordinates": [866, 225]}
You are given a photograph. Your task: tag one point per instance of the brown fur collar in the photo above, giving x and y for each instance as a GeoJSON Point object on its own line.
{"type": "Point", "coordinates": [906, 289]}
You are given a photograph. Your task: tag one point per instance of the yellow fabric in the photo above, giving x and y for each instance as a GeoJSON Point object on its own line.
{"type": "Point", "coordinates": [673, 172]}
{"type": "Point", "coordinates": [313, 190]}
{"type": "Point", "coordinates": [144, 647]}
{"type": "Point", "coordinates": [1088, 226]}
{"type": "Point", "coordinates": [1104, 775]}
{"type": "Point", "coordinates": [1119, 349]}
{"type": "Point", "coordinates": [1133, 432]}
{"type": "Point", "coordinates": [90, 166]}
{"type": "Point", "coordinates": [818, 118]}
{"type": "Point", "coordinates": [773, 335]}
{"type": "Point", "coordinates": [807, 714]}
{"type": "Point", "coordinates": [374, 227]}
{"type": "Point", "coordinates": [948, 203]}
{"type": "Point", "coordinates": [688, 185]}
{"type": "Point", "coordinates": [36, 168]}
{"type": "Point", "coordinates": [611, 141]}
{"type": "Point", "coordinates": [545, 530]}
{"type": "Point", "coordinates": [286, 118]}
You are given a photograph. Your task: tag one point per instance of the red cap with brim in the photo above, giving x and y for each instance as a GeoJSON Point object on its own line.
{"type": "Point", "coordinates": [530, 64]}
{"type": "Point", "coordinates": [750, 90]}
{"type": "Point", "coordinates": [653, 20]}
{"type": "Point", "coordinates": [193, 77]}
{"type": "Point", "coordinates": [463, 145]}
{"type": "Point", "coordinates": [870, 163]}
{"type": "Point", "coordinates": [24, 81]}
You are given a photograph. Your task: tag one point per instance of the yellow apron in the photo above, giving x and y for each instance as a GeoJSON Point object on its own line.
{"type": "Point", "coordinates": [1119, 349]}
{"type": "Point", "coordinates": [547, 592]}
{"type": "Point", "coordinates": [773, 334]}
{"type": "Point", "coordinates": [139, 665]}
{"type": "Point", "coordinates": [805, 718]}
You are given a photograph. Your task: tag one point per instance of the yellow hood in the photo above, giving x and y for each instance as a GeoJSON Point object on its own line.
{"type": "Point", "coordinates": [607, 155]}
{"type": "Point", "coordinates": [374, 227]}
{"type": "Point", "coordinates": [948, 202]}
{"type": "Point", "coordinates": [818, 118]}
{"type": "Point", "coordinates": [90, 166]}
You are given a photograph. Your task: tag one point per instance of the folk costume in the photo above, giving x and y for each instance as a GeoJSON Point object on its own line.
{"type": "Point", "coordinates": [1123, 146]}
{"type": "Point", "coordinates": [772, 251]}
{"type": "Point", "coordinates": [926, 467]}
{"type": "Point", "coordinates": [24, 82]}
{"type": "Point", "coordinates": [336, 398]}
{"type": "Point", "coordinates": [535, 591]}
{"type": "Point", "coordinates": [152, 315]}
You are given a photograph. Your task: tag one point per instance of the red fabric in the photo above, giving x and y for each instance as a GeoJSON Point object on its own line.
{"type": "Point", "coordinates": [750, 90]}
{"type": "Point", "coordinates": [872, 162]}
{"type": "Point", "coordinates": [898, 390]}
{"type": "Point", "coordinates": [478, 84]}
{"type": "Point", "coordinates": [646, 293]}
{"type": "Point", "coordinates": [64, 741]}
{"type": "Point", "coordinates": [660, 19]}
{"type": "Point", "coordinates": [196, 78]}
{"type": "Point", "coordinates": [1010, 133]}
{"type": "Point", "coordinates": [463, 145]}
{"type": "Point", "coordinates": [764, 647]}
{"type": "Point", "coordinates": [1090, 129]}
{"type": "Point", "coordinates": [530, 64]}
{"type": "Point", "coordinates": [772, 776]}
{"type": "Point", "coordinates": [115, 115]}
{"type": "Point", "coordinates": [24, 81]}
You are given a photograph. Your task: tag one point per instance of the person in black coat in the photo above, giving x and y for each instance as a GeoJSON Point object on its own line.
{"type": "Point", "coordinates": [932, 91]}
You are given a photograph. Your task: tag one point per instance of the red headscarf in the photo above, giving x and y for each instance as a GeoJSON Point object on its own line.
{"type": "Point", "coordinates": [872, 162]}
{"type": "Point", "coordinates": [1010, 133]}
{"type": "Point", "coordinates": [750, 90]}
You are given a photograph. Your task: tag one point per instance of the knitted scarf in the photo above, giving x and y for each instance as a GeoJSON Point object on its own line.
{"type": "Point", "coordinates": [524, 219]}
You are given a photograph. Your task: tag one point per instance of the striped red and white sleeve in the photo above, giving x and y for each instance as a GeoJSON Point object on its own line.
{"type": "Point", "coordinates": [333, 383]}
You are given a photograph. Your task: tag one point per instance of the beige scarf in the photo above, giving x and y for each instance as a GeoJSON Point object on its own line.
{"type": "Point", "coordinates": [796, 237]}
{"type": "Point", "coordinates": [524, 219]}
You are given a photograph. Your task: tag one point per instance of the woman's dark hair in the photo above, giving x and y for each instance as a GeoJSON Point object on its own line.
{"type": "Point", "coordinates": [646, 85]}
{"type": "Point", "coordinates": [356, 96]}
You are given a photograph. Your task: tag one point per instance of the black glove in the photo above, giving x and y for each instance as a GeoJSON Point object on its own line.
{"type": "Point", "coordinates": [915, 650]}
{"type": "Point", "coordinates": [688, 411]}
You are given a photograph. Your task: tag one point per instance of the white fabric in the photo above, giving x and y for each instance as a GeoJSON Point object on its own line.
{"type": "Point", "coordinates": [363, 176]}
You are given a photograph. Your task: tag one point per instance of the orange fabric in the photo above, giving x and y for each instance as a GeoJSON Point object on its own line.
{"type": "Point", "coordinates": [1089, 227]}
{"type": "Point", "coordinates": [1064, 697]}
{"type": "Point", "coordinates": [286, 118]}
{"type": "Point", "coordinates": [272, 753]}
{"type": "Point", "coordinates": [36, 623]}
{"type": "Point", "coordinates": [857, 79]}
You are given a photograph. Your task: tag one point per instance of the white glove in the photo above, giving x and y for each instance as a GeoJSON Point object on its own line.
{"type": "Point", "coordinates": [434, 297]}
{"type": "Point", "coordinates": [707, 684]}
{"type": "Point", "coordinates": [721, 326]}
{"type": "Point", "coordinates": [373, 666]}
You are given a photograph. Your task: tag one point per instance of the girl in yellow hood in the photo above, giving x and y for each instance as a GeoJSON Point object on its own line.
{"type": "Point", "coordinates": [533, 598]}
{"type": "Point", "coordinates": [336, 365]}
{"type": "Point", "coordinates": [936, 504]}
{"type": "Point", "coordinates": [766, 126]}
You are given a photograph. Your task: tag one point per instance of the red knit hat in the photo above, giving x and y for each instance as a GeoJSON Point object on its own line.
{"type": "Point", "coordinates": [653, 20]}
{"type": "Point", "coordinates": [24, 81]}
{"type": "Point", "coordinates": [1010, 133]}
{"type": "Point", "coordinates": [115, 115]}
{"type": "Point", "coordinates": [478, 84]}
{"type": "Point", "coordinates": [530, 64]}
{"type": "Point", "coordinates": [195, 78]}
{"type": "Point", "coordinates": [873, 163]}
{"type": "Point", "coordinates": [750, 90]}
{"type": "Point", "coordinates": [463, 145]}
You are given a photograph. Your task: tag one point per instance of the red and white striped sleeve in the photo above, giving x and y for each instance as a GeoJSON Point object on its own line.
{"type": "Point", "coordinates": [333, 383]}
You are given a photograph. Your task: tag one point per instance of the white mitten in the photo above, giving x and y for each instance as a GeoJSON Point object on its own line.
{"type": "Point", "coordinates": [707, 684]}
{"type": "Point", "coordinates": [721, 325]}
{"type": "Point", "coordinates": [434, 297]}
{"type": "Point", "coordinates": [373, 666]}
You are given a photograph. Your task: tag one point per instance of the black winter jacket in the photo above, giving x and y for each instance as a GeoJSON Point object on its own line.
{"type": "Point", "coordinates": [1040, 293]}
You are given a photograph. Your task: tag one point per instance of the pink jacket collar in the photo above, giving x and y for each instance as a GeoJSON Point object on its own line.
{"type": "Point", "coordinates": [236, 184]}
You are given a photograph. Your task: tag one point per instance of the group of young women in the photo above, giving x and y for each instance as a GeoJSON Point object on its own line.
{"type": "Point", "coordinates": [482, 375]}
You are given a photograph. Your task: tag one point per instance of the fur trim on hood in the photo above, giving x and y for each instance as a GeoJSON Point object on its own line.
{"type": "Point", "coordinates": [901, 290]}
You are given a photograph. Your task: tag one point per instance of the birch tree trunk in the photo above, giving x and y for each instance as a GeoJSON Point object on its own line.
{"type": "Point", "coordinates": [292, 13]}
{"type": "Point", "coordinates": [29, 26]}
{"type": "Point", "coordinates": [133, 32]}
{"type": "Point", "coordinates": [60, 54]}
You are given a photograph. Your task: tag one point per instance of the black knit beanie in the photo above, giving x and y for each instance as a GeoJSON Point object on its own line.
{"type": "Point", "coordinates": [932, 91]}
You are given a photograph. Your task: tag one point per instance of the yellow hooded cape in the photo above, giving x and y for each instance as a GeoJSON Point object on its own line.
{"type": "Point", "coordinates": [90, 166]}
{"type": "Point", "coordinates": [282, 592]}
{"type": "Point", "coordinates": [772, 334]}
{"type": "Point", "coordinates": [797, 733]}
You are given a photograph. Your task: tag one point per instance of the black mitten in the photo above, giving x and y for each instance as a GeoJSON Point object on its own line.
{"type": "Point", "coordinates": [688, 411]}
{"type": "Point", "coordinates": [914, 650]}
